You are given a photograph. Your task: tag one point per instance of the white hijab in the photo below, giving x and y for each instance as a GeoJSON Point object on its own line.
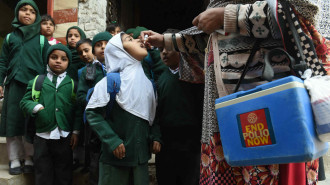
{"type": "Point", "coordinates": [136, 94]}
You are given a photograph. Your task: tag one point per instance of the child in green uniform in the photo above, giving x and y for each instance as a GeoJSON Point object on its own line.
{"type": "Point", "coordinates": [53, 113]}
{"type": "Point", "coordinates": [73, 35]}
{"type": "Point", "coordinates": [179, 115]}
{"type": "Point", "coordinates": [89, 76]}
{"type": "Point", "coordinates": [84, 50]}
{"type": "Point", "coordinates": [21, 59]}
{"type": "Point", "coordinates": [128, 131]}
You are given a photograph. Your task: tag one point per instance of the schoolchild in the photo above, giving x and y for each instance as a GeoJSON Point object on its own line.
{"type": "Point", "coordinates": [84, 50]}
{"type": "Point", "coordinates": [73, 35]}
{"type": "Point", "coordinates": [21, 60]}
{"type": "Point", "coordinates": [128, 133]}
{"type": "Point", "coordinates": [89, 76]}
{"type": "Point", "coordinates": [48, 28]}
{"type": "Point", "coordinates": [54, 120]}
{"type": "Point", "coordinates": [113, 28]}
{"type": "Point", "coordinates": [179, 115]}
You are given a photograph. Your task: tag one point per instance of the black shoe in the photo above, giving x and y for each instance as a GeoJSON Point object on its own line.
{"type": "Point", "coordinates": [15, 171]}
{"type": "Point", "coordinates": [28, 169]}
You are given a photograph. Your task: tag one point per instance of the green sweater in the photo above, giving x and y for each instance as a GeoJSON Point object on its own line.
{"type": "Point", "coordinates": [179, 103]}
{"type": "Point", "coordinates": [154, 70]}
{"type": "Point", "coordinates": [59, 106]}
{"type": "Point", "coordinates": [22, 60]}
{"type": "Point", "coordinates": [83, 87]}
{"type": "Point", "coordinates": [122, 127]}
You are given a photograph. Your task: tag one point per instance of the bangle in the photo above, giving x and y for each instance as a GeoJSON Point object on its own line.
{"type": "Point", "coordinates": [174, 42]}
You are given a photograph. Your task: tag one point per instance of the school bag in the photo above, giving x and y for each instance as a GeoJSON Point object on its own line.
{"type": "Point", "coordinates": [38, 81]}
{"type": "Point", "coordinates": [42, 41]}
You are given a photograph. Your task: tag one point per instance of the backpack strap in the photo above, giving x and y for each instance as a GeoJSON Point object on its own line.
{"type": "Point", "coordinates": [74, 89]}
{"type": "Point", "coordinates": [42, 43]}
{"type": "Point", "coordinates": [7, 38]}
{"type": "Point", "coordinates": [37, 86]}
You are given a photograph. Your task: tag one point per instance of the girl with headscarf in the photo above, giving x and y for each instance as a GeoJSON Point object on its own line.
{"type": "Point", "coordinates": [235, 16]}
{"type": "Point", "coordinates": [73, 35]}
{"type": "Point", "coordinates": [21, 59]}
{"type": "Point", "coordinates": [128, 130]}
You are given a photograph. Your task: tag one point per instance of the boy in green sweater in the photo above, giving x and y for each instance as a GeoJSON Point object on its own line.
{"type": "Point", "coordinates": [89, 76]}
{"type": "Point", "coordinates": [127, 133]}
{"type": "Point", "coordinates": [179, 115]}
{"type": "Point", "coordinates": [53, 142]}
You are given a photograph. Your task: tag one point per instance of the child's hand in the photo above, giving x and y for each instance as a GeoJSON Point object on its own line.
{"type": "Point", "coordinates": [119, 152]}
{"type": "Point", "coordinates": [1, 92]}
{"type": "Point", "coordinates": [156, 146]}
{"type": "Point", "coordinates": [74, 141]}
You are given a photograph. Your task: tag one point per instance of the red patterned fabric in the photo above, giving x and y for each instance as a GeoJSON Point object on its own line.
{"type": "Point", "coordinates": [322, 45]}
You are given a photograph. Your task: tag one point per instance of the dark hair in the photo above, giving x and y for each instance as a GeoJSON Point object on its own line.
{"type": "Point", "coordinates": [83, 41]}
{"type": "Point", "coordinates": [112, 27]}
{"type": "Point", "coordinates": [47, 17]}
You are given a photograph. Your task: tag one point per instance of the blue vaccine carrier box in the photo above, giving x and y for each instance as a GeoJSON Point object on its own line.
{"type": "Point", "coordinates": [270, 124]}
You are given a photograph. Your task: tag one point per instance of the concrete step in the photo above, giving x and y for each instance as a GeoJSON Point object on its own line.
{"type": "Point", "coordinates": [7, 179]}
{"type": "Point", "coordinates": [28, 179]}
{"type": "Point", "coordinates": [3, 152]}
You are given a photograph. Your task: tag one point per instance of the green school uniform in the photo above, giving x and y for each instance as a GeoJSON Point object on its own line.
{"type": "Point", "coordinates": [154, 70]}
{"type": "Point", "coordinates": [122, 127]}
{"type": "Point", "coordinates": [83, 87]}
{"type": "Point", "coordinates": [179, 112]}
{"type": "Point", "coordinates": [59, 106]}
{"type": "Point", "coordinates": [21, 60]}
{"type": "Point", "coordinates": [76, 62]}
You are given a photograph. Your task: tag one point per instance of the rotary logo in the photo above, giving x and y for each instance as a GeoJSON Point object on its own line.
{"type": "Point", "coordinates": [252, 118]}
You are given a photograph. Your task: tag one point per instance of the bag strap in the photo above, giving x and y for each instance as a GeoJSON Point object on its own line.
{"type": "Point", "coordinates": [37, 86]}
{"type": "Point", "coordinates": [255, 48]}
{"type": "Point", "coordinates": [297, 65]}
{"type": "Point", "coordinates": [222, 91]}
{"type": "Point", "coordinates": [42, 43]}
{"type": "Point", "coordinates": [7, 38]}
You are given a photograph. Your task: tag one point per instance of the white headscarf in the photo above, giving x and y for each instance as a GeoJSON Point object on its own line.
{"type": "Point", "coordinates": [136, 94]}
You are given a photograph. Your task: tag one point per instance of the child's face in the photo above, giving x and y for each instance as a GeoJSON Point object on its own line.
{"type": "Point", "coordinates": [99, 50]}
{"type": "Point", "coordinates": [134, 47]}
{"type": "Point", "coordinates": [117, 30]}
{"type": "Point", "coordinates": [58, 61]}
{"type": "Point", "coordinates": [47, 28]}
{"type": "Point", "coordinates": [73, 37]}
{"type": "Point", "coordinates": [26, 15]}
{"type": "Point", "coordinates": [85, 53]}
{"type": "Point", "coordinates": [170, 58]}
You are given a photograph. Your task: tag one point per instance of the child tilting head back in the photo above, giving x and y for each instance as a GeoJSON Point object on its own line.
{"type": "Point", "coordinates": [134, 109]}
{"type": "Point", "coordinates": [84, 49]}
{"type": "Point", "coordinates": [48, 28]}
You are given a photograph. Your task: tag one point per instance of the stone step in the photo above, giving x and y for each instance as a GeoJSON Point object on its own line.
{"type": "Point", "coordinates": [28, 179]}
{"type": "Point", "coordinates": [7, 179]}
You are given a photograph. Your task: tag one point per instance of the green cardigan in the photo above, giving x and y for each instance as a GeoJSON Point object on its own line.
{"type": "Point", "coordinates": [179, 103]}
{"type": "Point", "coordinates": [122, 127]}
{"type": "Point", "coordinates": [59, 106]}
{"type": "Point", "coordinates": [157, 68]}
{"type": "Point", "coordinates": [22, 60]}
{"type": "Point", "coordinates": [83, 87]}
